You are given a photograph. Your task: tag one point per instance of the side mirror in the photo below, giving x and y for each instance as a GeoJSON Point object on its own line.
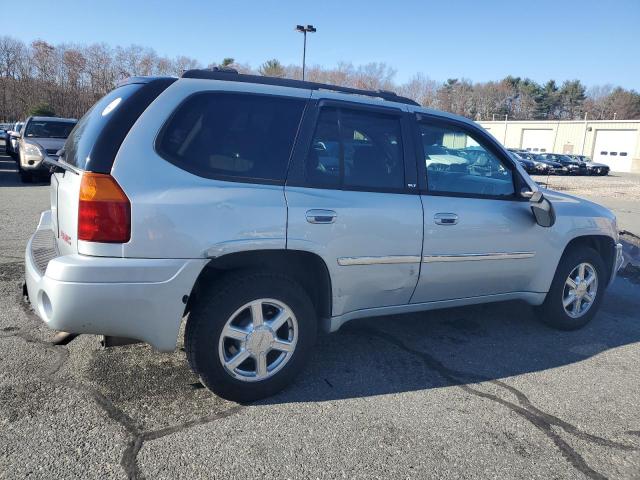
{"type": "Point", "coordinates": [542, 208]}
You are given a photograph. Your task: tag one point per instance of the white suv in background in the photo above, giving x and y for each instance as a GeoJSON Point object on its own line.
{"type": "Point", "coordinates": [262, 210]}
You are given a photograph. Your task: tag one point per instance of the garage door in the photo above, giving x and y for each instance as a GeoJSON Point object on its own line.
{"type": "Point", "coordinates": [537, 140]}
{"type": "Point", "coordinates": [615, 148]}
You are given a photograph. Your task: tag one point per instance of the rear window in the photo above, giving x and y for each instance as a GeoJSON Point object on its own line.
{"type": "Point", "coordinates": [94, 142]}
{"type": "Point", "coordinates": [231, 136]}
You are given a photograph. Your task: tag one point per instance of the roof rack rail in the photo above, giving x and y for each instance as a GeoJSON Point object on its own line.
{"type": "Point", "coordinates": [232, 75]}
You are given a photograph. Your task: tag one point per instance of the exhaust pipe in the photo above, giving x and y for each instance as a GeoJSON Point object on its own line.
{"type": "Point", "coordinates": [111, 341]}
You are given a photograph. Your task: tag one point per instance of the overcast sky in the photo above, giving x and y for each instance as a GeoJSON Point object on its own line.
{"type": "Point", "coordinates": [597, 42]}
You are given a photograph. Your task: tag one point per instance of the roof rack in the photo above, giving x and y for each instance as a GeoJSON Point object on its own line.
{"type": "Point", "coordinates": [232, 75]}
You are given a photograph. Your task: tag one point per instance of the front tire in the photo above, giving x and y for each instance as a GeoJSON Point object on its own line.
{"type": "Point", "coordinates": [576, 291]}
{"type": "Point", "coordinates": [249, 334]}
{"type": "Point", "coordinates": [25, 177]}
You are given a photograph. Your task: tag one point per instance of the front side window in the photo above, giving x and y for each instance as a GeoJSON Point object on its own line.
{"type": "Point", "coordinates": [355, 149]}
{"type": "Point", "coordinates": [457, 163]}
{"type": "Point", "coordinates": [232, 136]}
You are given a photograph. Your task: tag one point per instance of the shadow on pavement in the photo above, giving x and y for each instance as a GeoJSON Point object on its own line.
{"type": "Point", "coordinates": [426, 350]}
{"type": "Point", "coordinates": [9, 174]}
{"type": "Point", "coordinates": [387, 355]}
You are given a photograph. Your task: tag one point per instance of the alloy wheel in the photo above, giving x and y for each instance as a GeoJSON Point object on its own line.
{"type": "Point", "coordinates": [258, 340]}
{"type": "Point", "coordinates": [580, 290]}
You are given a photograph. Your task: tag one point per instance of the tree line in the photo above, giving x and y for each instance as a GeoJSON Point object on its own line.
{"type": "Point", "coordinates": [67, 79]}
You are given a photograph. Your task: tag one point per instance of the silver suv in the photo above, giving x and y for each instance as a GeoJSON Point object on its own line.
{"type": "Point", "coordinates": [264, 210]}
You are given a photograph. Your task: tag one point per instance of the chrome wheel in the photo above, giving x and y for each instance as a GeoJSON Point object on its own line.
{"type": "Point", "coordinates": [580, 290]}
{"type": "Point", "coordinates": [258, 340]}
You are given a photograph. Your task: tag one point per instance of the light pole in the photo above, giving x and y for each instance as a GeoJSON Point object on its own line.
{"type": "Point", "coordinates": [305, 30]}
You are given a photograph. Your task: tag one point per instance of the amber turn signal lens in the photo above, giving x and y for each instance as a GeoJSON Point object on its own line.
{"type": "Point", "coordinates": [104, 211]}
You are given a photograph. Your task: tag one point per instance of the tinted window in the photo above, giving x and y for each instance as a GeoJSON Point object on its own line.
{"type": "Point", "coordinates": [457, 163]}
{"type": "Point", "coordinates": [48, 129]}
{"type": "Point", "coordinates": [623, 154]}
{"type": "Point", "coordinates": [96, 139]}
{"type": "Point", "coordinates": [324, 158]}
{"type": "Point", "coordinates": [232, 136]}
{"type": "Point", "coordinates": [356, 149]}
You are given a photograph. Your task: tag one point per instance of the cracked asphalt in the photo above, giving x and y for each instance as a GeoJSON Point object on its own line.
{"type": "Point", "coordinates": [473, 392]}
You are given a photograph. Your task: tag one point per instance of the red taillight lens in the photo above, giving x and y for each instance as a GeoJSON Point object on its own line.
{"type": "Point", "coordinates": [104, 211]}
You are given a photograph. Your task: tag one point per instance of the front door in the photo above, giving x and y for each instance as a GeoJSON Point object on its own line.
{"type": "Point", "coordinates": [350, 204]}
{"type": "Point", "coordinates": [480, 238]}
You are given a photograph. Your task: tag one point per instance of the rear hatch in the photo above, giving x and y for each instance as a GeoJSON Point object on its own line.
{"type": "Point", "coordinates": [92, 147]}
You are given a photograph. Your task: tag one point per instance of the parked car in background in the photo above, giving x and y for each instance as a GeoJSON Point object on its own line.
{"type": "Point", "coordinates": [4, 136]}
{"type": "Point", "coordinates": [593, 168]}
{"type": "Point", "coordinates": [215, 197]}
{"type": "Point", "coordinates": [573, 166]}
{"type": "Point", "coordinates": [12, 145]}
{"type": "Point", "coordinates": [546, 167]}
{"type": "Point", "coordinates": [41, 137]}
{"type": "Point", "coordinates": [528, 165]}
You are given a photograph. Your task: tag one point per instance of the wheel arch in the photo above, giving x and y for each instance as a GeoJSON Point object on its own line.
{"type": "Point", "coordinates": [603, 244]}
{"type": "Point", "coordinates": [306, 268]}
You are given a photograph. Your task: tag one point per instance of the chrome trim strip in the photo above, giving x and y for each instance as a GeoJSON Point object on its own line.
{"type": "Point", "coordinates": [385, 260]}
{"type": "Point", "coordinates": [466, 257]}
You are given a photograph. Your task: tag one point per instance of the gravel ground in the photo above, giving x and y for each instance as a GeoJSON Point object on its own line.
{"type": "Point", "coordinates": [618, 191]}
{"type": "Point", "coordinates": [615, 185]}
{"type": "Point", "coordinates": [473, 392]}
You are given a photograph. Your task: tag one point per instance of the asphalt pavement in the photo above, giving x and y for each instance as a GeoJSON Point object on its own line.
{"type": "Point", "coordinates": [474, 392]}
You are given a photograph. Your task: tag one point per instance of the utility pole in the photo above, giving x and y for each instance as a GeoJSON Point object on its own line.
{"type": "Point", "coordinates": [504, 140]}
{"type": "Point", "coordinates": [584, 137]}
{"type": "Point", "coordinates": [304, 30]}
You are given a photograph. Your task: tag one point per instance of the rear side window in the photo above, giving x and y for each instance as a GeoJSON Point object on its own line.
{"type": "Point", "coordinates": [94, 142]}
{"type": "Point", "coordinates": [353, 149]}
{"type": "Point", "coordinates": [231, 136]}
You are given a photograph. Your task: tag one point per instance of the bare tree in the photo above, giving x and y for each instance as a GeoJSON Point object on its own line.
{"type": "Point", "coordinates": [70, 78]}
{"type": "Point", "coordinates": [422, 89]}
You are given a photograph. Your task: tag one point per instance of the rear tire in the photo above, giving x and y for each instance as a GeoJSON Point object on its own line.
{"type": "Point", "coordinates": [222, 328]}
{"type": "Point", "coordinates": [558, 311]}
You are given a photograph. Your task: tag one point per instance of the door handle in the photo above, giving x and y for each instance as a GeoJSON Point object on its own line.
{"type": "Point", "coordinates": [445, 218]}
{"type": "Point", "coordinates": [321, 216]}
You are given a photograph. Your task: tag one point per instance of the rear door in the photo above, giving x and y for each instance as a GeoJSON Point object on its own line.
{"type": "Point", "coordinates": [352, 199]}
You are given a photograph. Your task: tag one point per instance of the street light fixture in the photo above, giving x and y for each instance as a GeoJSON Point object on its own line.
{"type": "Point", "coordinates": [305, 30]}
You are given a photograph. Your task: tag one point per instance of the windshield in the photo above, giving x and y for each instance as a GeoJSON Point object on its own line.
{"type": "Point", "coordinates": [48, 129]}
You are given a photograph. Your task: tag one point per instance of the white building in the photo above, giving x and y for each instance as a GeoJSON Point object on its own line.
{"type": "Point", "coordinates": [614, 142]}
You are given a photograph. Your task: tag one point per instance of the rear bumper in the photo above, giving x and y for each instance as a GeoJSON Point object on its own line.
{"type": "Point", "coordinates": [125, 297]}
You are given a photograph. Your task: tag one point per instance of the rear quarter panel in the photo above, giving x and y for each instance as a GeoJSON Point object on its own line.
{"type": "Point", "coordinates": [176, 214]}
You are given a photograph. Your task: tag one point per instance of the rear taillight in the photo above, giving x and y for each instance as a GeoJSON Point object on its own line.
{"type": "Point", "coordinates": [104, 211]}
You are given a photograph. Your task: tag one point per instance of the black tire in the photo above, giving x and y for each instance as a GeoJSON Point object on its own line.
{"type": "Point", "coordinates": [215, 305]}
{"type": "Point", "coordinates": [25, 177]}
{"type": "Point", "coordinates": [552, 311]}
